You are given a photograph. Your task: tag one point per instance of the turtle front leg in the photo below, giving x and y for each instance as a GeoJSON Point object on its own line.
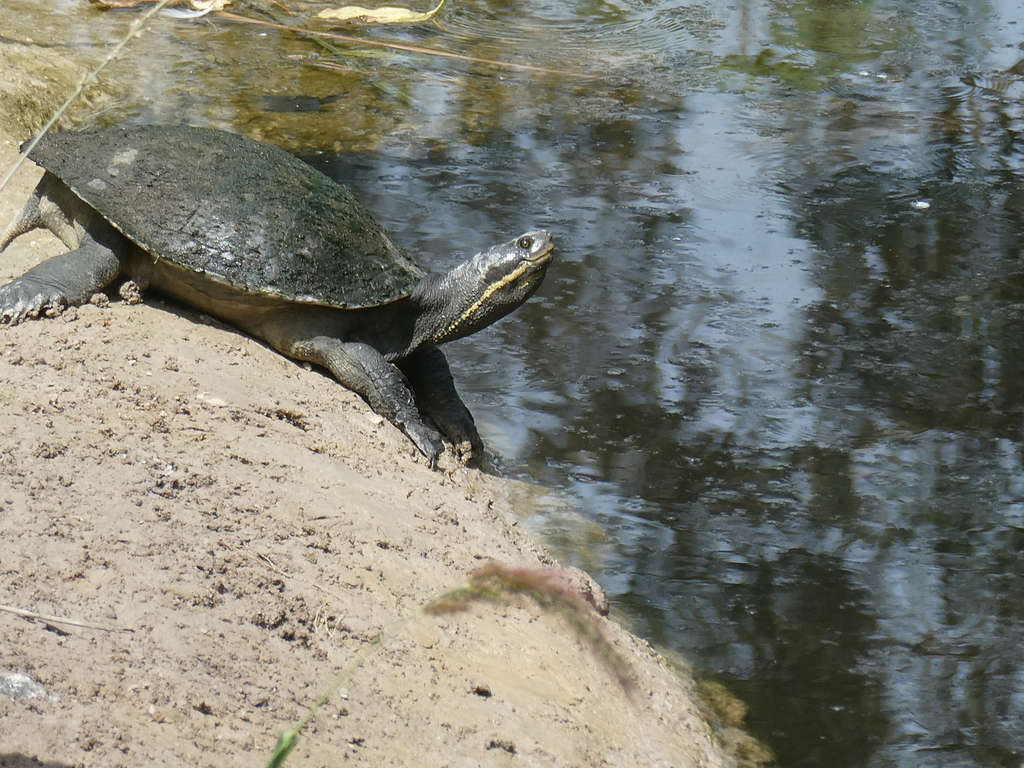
{"type": "Point", "coordinates": [431, 379]}
{"type": "Point", "coordinates": [68, 279]}
{"type": "Point", "coordinates": [364, 370]}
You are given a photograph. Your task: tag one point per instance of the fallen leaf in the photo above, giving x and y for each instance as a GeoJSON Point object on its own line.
{"type": "Point", "coordinates": [386, 15]}
{"type": "Point", "coordinates": [196, 9]}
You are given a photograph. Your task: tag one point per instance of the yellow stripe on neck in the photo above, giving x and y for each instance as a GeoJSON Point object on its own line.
{"type": "Point", "coordinates": [512, 276]}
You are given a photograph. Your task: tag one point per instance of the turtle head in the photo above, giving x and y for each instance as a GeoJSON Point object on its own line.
{"type": "Point", "coordinates": [488, 286]}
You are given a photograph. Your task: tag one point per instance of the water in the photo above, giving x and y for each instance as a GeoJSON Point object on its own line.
{"type": "Point", "coordinates": [774, 375]}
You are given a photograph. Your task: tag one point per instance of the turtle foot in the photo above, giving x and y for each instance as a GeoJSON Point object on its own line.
{"type": "Point", "coordinates": [467, 453]}
{"type": "Point", "coordinates": [20, 301]}
{"type": "Point", "coordinates": [64, 280]}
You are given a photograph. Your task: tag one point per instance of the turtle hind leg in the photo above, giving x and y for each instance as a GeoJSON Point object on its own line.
{"type": "Point", "coordinates": [68, 279]}
{"type": "Point", "coordinates": [30, 218]}
{"type": "Point", "coordinates": [54, 207]}
{"type": "Point", "coordinates": [26, 221]}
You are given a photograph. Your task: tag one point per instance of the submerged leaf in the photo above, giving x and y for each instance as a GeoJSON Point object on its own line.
{"type": "Point", "coordinates": [386, 15]}
{"type": "Point", "coordinates": [195, 7]}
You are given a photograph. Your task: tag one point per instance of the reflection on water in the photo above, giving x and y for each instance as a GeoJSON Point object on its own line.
{"type": "Point", "coordinates": [777, 365]}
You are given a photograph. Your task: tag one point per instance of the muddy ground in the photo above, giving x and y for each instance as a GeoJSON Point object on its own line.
{"type": "Point", "coordinates": [235, 529]}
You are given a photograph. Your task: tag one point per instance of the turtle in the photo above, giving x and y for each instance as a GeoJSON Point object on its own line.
{"type": "Point", "coordinates": [252, 235]}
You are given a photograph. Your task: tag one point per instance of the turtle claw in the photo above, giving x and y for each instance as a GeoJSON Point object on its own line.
{"type": "Point", "coordinates": [427, 440]}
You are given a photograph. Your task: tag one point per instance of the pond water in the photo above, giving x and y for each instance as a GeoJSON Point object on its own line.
{"type": "Point", "coordinates": [775, 378]}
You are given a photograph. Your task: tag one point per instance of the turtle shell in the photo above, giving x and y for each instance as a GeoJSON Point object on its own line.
{"type": "Point", "coordinates": [238, 211]}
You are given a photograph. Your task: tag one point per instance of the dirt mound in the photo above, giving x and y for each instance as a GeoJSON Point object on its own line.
{"type": "Point", "coordinates": [235, 529]}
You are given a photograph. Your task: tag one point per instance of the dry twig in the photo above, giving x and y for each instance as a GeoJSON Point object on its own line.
{"type": "Point", "coordinates": [33, 616]}
{"type": "Point", "coordinates": [392, 46]}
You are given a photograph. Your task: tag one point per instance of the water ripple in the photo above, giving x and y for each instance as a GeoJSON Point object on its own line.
{"type": "Point", "coordinates": [657, 32]}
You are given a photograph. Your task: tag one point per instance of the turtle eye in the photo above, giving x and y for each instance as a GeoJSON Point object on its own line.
{"type": "Point", "coordinates": [525, 243]}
